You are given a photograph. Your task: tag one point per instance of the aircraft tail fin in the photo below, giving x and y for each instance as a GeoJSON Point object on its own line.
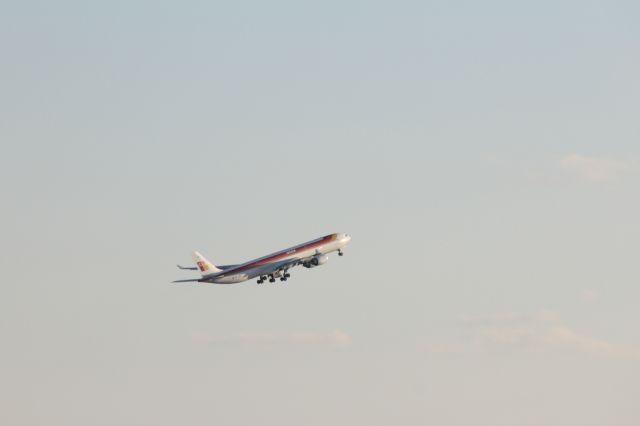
{"type": "Point", "coordinates": [205, 267]}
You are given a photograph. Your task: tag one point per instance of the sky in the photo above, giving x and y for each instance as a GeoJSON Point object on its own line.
{"type": "Point", "coordinates": [484, 156]}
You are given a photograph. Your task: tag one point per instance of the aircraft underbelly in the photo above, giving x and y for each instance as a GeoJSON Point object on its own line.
{"type": "Point", "coordinates": [267, 269]}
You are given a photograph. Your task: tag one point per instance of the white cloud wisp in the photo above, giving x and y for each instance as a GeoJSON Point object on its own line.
{"type": "Point", "coordinates": [595, 169]}
{"type": "Point", "coordinates": [335, 338]}
{"type": "Point", "coordinates": [545, 331]}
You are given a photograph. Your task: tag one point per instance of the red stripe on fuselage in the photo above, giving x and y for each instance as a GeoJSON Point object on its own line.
{"type": "Point", "coordinates": [280, 255]}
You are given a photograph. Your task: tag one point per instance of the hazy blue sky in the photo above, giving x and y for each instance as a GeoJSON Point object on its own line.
{"type": "Point", "coordinates": [485, 156]}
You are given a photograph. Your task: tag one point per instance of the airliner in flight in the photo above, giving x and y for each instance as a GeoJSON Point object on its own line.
{"type": "Point", "coordinates": [276, 265]}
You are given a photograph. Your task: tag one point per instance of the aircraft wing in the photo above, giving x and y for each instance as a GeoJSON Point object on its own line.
{"type": "Point", "coordinates": [269, 269]}
{"type": "Point", "coordinates": [281, 266]}
{"type": "Point", "coordinates": [193, 268]}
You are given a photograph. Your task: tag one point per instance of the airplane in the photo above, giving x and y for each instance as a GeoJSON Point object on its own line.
{"type": "Point", "coordinates": [276, 265]}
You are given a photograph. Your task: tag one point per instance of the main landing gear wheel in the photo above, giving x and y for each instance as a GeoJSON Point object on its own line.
{"type": "Point", "coordinates": [340, 253]}
{"type": "Point", "coordinates": [272, 280]}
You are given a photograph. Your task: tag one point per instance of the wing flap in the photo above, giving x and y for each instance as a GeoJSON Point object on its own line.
{"type": "Point", "coordinates": [279, 266]}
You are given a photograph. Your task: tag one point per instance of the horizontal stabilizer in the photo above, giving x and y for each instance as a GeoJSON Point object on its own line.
{"type": "Point", "coordinates": [186, 281]}
{"type": "Point", "coordinates": [190, 268]}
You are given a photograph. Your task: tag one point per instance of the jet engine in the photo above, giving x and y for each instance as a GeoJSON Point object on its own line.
{"type": "Point", "coordinates": [317, 260]}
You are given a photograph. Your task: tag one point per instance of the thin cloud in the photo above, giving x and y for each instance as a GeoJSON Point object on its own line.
{"type": "Point", "coordinates": [560, 336]}
{"type": "Point", "coordinates": [544, 331]}
{"type": "Point", "coordinates": [334, 338]}
{"type": "Point", "coordinates": [589, 295]}
{"type": "Point", "coordinates": [510, 319]}
{"type": "Point", "coordinates": [595, 169]}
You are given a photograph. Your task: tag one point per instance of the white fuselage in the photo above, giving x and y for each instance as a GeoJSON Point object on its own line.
{"type": "Point", "coordinates": [269, 265]}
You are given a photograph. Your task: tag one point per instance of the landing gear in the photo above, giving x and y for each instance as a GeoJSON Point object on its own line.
{"type": "Point", "coordinates": [272, 277]}
{"type": "Point", "coordinates": [340, 253]}
{"type": "Point", "coordinates": [285, 276]}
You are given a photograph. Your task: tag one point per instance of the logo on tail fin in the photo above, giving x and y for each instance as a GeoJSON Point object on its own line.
{"type": "Point", "coordinates": [203, 266]}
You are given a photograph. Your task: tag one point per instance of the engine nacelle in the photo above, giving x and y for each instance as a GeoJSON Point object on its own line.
{"type": "Point", "coordinates": [317, 260]}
